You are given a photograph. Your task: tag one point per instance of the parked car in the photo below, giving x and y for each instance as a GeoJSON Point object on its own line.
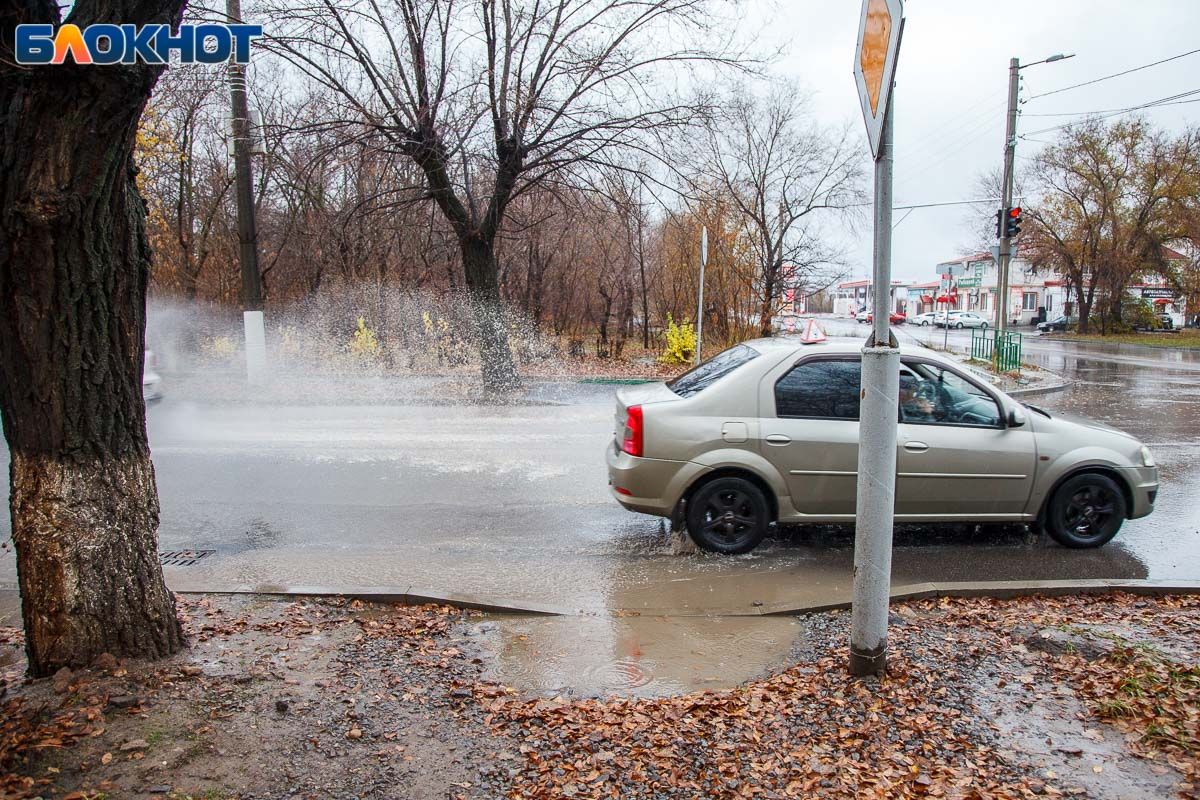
{"type": "Point", "coordinates": [894, 318]}
{"type": "Point", "coordinates": [1059, 323]}
{"type": "Point", "coordinates": [151, 381]}
{"type": "Point", "coordinates": [862, 316]}
{"type": "Point", "coordinates": [767, 431]}
{"type": "Point", "coordinates": [961, 319]}
{"type": "Point", "coordinates": [926, 319]}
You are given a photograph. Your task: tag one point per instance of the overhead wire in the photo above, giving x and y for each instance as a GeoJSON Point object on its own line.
{"type": "Point", "coordinates": [1165, 101]}
{"type": "Point", "coordinates": [1169, 100]}
{"type": "Point", "coordinates": [1114, 75]}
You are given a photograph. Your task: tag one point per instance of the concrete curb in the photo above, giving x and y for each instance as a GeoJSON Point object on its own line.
{"type": "Point", "coordinates": [1036, 390]}
{"type": "Point", "coordinates": [412, 596]}
{"type": "Point", "coordinates": [1004, 590]}
{"type": "Point", "coordinates": [1118, 345]}
{"type": "Point", "coordinates": [1001, 590]}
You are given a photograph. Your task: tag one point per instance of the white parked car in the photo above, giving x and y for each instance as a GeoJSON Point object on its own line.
{"type": "Point", "coordinates": [926, 319]}
{"type": "Point", "coordinates": [962, 319]}
{"type": "Point", "coordinates": [862, 315]}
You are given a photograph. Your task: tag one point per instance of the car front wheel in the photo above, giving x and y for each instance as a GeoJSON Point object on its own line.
{"type": "Point", "coordinates": [728, 515]}
{"type": "Point", "coordinates": [1086, 511]}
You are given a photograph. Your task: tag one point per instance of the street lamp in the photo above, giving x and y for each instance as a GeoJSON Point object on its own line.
{"type": "Point", "coordinates": [1010, 151]}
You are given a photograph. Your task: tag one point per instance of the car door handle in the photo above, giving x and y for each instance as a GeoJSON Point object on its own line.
{"type": "Point", "coordinates": [778, 438]}
{"type": "Point", "coordinates": [916, 447]}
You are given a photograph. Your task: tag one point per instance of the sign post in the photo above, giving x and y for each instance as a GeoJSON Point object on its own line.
{"type": "Point", "coordinates": [874, 67]}
{"type": "Point", "coordinates": [700, 301]}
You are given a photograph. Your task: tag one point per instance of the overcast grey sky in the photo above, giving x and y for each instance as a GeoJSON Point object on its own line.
{"type": "Point", "coordinates": [951, 87]}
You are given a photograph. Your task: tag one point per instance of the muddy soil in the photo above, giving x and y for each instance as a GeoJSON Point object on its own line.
{"type": "Point", "coordinates": [341, 699]}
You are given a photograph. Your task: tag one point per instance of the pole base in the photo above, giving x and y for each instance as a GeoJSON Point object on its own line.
{"type": "Point", "coordinates": [864, 664]}
{"type": "Point", "coordinates": [256, 347]}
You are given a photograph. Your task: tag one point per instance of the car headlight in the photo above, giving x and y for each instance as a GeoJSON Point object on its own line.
{"type": "Point", "coordinates": [1147, 457]}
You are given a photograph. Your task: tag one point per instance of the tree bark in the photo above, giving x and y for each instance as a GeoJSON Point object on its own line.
{"type": "Point", "coordinates": [497, 369]}
{"type": "Point", "coordinates": [74, 269]}
{"type": "Point", "coordinates": [766, 309]}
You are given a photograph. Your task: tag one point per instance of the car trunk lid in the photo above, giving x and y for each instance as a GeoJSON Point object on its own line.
{"type": "Point", "coordinates": [638, 395]}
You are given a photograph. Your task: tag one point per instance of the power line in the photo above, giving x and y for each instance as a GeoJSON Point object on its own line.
{"type": "Point", "coordinates": [914, 169]}
{"type": "Point", "coordinates": [1170, 100]}
{"type": "Point", "coordinates": [1114, 75]}
{"type": "Point", "coordinates": [906, 216]}
{"type": "Point", "coordinates": [1153, 104]}
{"type": "Point", "coordinates": [912, 206]}
{"type": "Point", "coordinates": [960, 121]}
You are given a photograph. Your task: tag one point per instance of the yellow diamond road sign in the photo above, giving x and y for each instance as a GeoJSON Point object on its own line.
{"type": "Point", "coordinates": [875, 62]}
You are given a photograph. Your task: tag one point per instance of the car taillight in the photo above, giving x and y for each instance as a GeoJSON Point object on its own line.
{"type": "Point", "coordinates": [633, 431]}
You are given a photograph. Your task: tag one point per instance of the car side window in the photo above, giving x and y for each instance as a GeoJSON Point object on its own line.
{"type": "Point", "coordinates": [819, 390]}
{"type": "Point", "coordinates": [931, 395]}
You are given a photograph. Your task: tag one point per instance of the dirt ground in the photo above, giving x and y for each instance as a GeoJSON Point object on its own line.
{"type": "Point", "coordinates": [1083, 697]}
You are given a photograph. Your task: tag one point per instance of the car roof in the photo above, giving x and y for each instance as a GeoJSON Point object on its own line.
{"type": "Point", "coordinates": [834, 345]}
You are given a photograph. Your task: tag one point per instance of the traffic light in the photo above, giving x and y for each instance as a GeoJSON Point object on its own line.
{"type": "Point", "coordinates": [1012, 223]}
{"type": "Point", "coordinates": [999, 223]}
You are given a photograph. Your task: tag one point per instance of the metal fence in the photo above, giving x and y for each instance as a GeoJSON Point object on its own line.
{"type": "Point", "coordinates": [1002, 348]}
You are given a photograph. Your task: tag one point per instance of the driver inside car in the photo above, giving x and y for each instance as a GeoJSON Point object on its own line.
{"type": "Point", "coordinates": [914, 406]}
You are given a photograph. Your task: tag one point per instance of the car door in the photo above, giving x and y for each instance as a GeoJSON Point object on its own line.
{"type": "Point", "coordinates": [957, 458]}
{"type": "Point", "coordinates": [809, 431]}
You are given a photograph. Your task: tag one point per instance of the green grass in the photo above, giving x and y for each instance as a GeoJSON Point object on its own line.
{"type": "Point", "coordinates": [1189, 337]}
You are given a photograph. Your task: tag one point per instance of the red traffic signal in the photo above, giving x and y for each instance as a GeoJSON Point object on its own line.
{"type": "Point", "coordinates": [1012, 225]}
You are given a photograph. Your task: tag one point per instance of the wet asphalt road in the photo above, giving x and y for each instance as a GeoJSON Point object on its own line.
{"type": "Point", "coordinates": [512, 502]}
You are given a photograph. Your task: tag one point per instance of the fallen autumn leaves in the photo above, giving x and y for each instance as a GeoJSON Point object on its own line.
{"type": "Point", "coordinates": [373, 701]}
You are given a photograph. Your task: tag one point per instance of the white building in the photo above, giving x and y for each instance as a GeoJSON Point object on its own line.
{"type": "Point", "coordinates": [854, 296]}
{"type": "Point", "coordinates": [975, 288]}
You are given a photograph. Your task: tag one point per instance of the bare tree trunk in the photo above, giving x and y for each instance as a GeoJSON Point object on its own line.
{"type": "Point", "coordinates": [74, 269]}
{"type": "Point", "coordinates": [645, 292]}
{"type": "Point", "coordinates": [498, 371]}
{"type": "Point", "coordinates": [766, 311]}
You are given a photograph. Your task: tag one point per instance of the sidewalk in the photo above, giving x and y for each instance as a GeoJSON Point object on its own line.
{"type": "Point", "coordinates": [1032, 379]}
{"type": "Point", "coordinates": [1078, 696]}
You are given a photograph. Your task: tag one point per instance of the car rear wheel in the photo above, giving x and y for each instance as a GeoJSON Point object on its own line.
{"type": "Point", "coordinates": [728, 515]}
{"type": "Point", "coordinates": [959, 326]}
{"type": "Point", "coordinates": [1086, 511]}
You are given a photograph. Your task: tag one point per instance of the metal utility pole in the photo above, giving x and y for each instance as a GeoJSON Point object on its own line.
{"type": "Point", "coordinates": [1010, 150]}
{"type": "Point", "coordinates": [876, 502]}
{"type": "Point", "coordinates": [252, 303]}
{"type": "Point", "coordinates": [879, 32]}
{"type": "Point", "coordinates": [700, 301]}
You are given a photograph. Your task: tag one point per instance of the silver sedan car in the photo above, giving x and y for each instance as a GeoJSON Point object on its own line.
{"type": "Point", "coordinates": [767, 431]}
{"type": "Point", "coordinates": [961, 319]}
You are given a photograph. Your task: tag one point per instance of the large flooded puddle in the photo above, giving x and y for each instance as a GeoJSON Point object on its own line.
{"type": "Point", "coordinates": [634, 655]}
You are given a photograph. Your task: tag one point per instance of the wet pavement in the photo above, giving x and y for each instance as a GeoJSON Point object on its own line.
{"type": "Point", "coordinates": [512, 502]}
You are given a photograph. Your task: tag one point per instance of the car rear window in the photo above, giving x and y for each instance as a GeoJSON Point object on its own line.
{"type": "Point", "coordinates": [820, 390]}
{"type": "Point", "coordinates": [701, 377]}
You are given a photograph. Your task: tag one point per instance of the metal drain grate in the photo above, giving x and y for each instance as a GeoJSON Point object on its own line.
{"type": "Point", "coordinates": [182, 558]}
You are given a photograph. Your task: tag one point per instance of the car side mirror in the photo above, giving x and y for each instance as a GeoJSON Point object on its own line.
{"type": "Point", "coordinates": [1016, 418]}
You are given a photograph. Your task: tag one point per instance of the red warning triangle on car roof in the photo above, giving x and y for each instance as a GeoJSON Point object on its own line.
{"type": "Point", "coordinates": [812, 333]}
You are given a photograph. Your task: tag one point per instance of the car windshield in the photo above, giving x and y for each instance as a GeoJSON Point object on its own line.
{"type": "Point", "coordinates": [701, 377]}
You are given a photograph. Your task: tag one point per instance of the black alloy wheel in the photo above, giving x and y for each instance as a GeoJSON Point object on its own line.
{"type": "Point", "coordinates": [1086, 511]}
{"type": "Point", "coordinates": [728, 515]}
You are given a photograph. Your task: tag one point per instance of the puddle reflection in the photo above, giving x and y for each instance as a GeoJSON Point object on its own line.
{"type": "Point", "coordinates": [634, 655]}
